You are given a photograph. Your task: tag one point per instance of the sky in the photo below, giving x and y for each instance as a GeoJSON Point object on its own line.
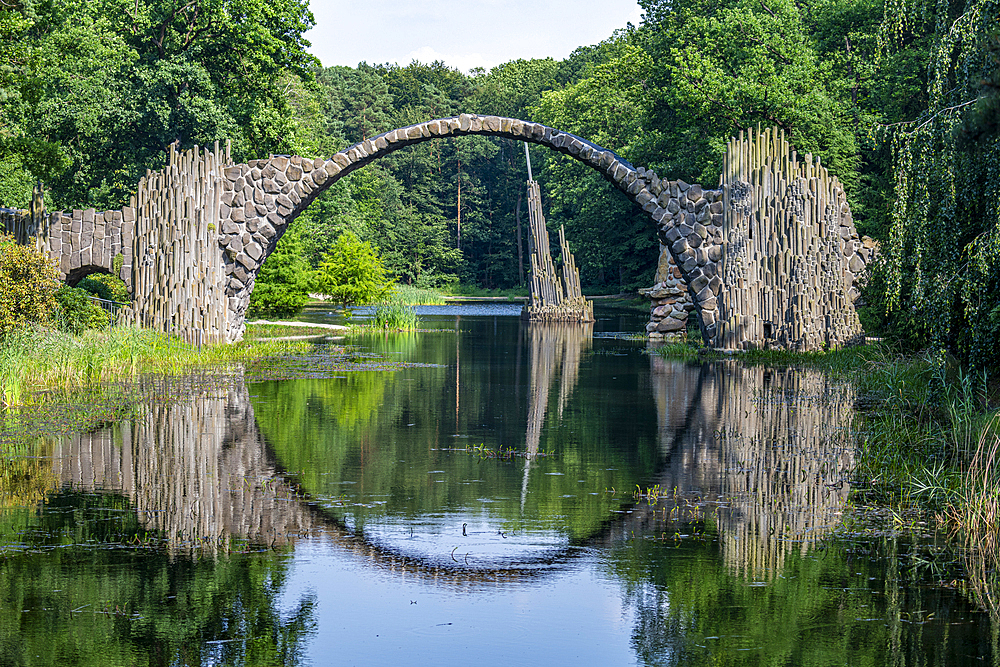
{"type": "Point", "coordinates": [483, 33]}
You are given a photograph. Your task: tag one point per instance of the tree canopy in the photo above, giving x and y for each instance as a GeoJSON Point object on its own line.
{"type": "Point", "coordinates": [352, 273]}
{"type": "Point", "coordinates": [898, 98]}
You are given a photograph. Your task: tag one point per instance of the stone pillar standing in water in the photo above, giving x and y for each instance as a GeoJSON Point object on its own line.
{"type": "Point", "coordinates": [553, 298]}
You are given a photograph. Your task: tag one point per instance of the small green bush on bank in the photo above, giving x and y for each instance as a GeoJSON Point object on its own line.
{"type": "Point", "coordinates": [352, 273]}
{"type": "Point", "coordinates": [76, 311]}
{"type": "Point", "coordinates": [282, 285]}
{"type": "Point", "coordinates": [107, 286]}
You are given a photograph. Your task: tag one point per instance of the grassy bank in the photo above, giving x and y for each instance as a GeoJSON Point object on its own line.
{"type": "Point", "coordinates": [262, 331]}
{"type": "Point", "coordinates": [35, 362]}
{"type": "Point", "coordinates": [926, 436]}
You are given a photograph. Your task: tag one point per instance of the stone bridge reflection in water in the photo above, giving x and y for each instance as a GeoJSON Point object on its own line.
{"type": "Point", "coordinates": [770, 444]}
{"type": "Point", "coordinates": [194, 469]}
{"type": "Point", "coordinates": [765, 448]}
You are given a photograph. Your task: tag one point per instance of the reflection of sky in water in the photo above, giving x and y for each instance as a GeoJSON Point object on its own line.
{"type": "Point", "coordinates": [438, 538]}
{"type": "Point", "coordinates": [374, 616]}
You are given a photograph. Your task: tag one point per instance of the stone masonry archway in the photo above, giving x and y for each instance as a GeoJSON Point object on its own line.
{"type": "Point", "coordinates": [262, 197]}
{"type": "Point", "coordinates": [181, 218]}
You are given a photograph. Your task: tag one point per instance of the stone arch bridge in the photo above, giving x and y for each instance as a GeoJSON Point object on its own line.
{"type": "Point", "coordinates": [769, 258]}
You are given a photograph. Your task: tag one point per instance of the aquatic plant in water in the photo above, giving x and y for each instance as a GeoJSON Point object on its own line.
{"type": "Point", "coordinates": [395, 316]}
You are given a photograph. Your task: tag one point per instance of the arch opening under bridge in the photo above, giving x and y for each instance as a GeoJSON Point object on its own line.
{"type": "Point", "coordinates": [261, 198]}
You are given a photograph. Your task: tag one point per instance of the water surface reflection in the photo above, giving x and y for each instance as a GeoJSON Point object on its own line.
{"type": "Point", "coordinates": [359, 516]}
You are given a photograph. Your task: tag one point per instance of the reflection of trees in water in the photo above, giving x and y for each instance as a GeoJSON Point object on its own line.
{"type": "Point", "coordinates": [101, 604]}
{"type": "Point", "coordinates": [198, 472]}
{"type": "Point", "coordinates": [25, 480]}
{"type": "Point", "coordinates": [770, 443]}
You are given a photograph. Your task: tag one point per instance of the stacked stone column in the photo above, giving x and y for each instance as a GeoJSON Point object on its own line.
{"type": "Point", "coordinates": [670, 303]}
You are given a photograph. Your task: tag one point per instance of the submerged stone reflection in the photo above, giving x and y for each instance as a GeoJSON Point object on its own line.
{"type": "Point", "coordinates": [195, 470]}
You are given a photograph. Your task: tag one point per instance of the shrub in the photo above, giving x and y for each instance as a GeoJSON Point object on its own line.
{"type": "Point", "coordinates": [28, 283]}
{"type": "Point", "coordinates": [352, 273]}
{"type": "Point", "coordinates": [77, 313]}
{"type": "Point", "coordinates": [106, 286]}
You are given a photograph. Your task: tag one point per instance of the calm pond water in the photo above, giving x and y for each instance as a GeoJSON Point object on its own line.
{"type": "Point", "coordinates": [509, 494]}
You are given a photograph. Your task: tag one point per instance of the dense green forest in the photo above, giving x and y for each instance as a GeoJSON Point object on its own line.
{"type": "Point", "coordinates": [898, 97]}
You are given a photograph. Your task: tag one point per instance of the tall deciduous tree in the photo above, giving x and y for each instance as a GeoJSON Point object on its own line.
{"type": "Point", "coordinates": [114, 82]}
{"type": "Point", "coordinates": [943, 254]}
{"type": "Point", "coordinates": [722, 67]}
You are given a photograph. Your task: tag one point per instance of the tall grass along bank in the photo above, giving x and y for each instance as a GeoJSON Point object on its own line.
{"type": "Point", "coordinates": [34, 359]}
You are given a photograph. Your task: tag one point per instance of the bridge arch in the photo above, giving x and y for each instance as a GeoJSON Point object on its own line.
{"type": "Point", "coordinates": [770, 258]}
{"type": "Point", "coordinates": [262, 197]}
{"type": "Point", "coordinates": [74, 277]}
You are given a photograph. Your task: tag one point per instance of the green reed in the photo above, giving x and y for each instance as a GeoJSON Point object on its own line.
{"type": "Point", "coordinates": [395, 316]}
{"type": "Point", "coordinates": [34, 360]}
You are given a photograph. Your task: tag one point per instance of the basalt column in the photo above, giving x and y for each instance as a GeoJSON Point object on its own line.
{"type": "Point", "coordinates": [791, 254]}
{"type": "Point", "coordinates": [552, 299]}
{"type": "Point", "coordinates": [178, 279]}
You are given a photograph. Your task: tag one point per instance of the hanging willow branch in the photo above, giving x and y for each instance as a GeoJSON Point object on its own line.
{"type": "Point", "coordinates": [943, 255]}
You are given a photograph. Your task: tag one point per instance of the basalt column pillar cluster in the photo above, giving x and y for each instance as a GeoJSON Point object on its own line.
{"type": "Point", "coordinates": [792, 255]}
{"type": "Point", "coordinates": [177, 277]}
{"type": "Point", "coordinates": [770, 259]}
